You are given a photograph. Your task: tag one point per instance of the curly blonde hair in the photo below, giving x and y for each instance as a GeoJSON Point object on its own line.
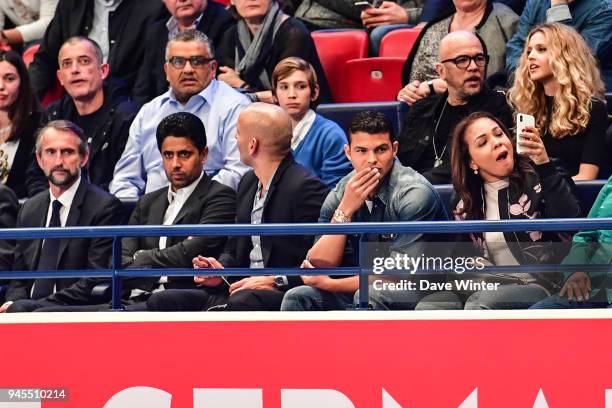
{"type": "Point", "coordinates": [577, 74]}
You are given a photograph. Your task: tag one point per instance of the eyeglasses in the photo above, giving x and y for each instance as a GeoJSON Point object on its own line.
{"type": "Point", "coordinates": [464, 61]}
{"type": "Point", "coordinates": [196, 61]}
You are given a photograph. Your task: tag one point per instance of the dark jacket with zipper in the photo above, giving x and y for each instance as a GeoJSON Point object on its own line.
{"type": "Point", "coordinates": [107, 142]}
{"type": "Point", "coordinates": [548, 192]}
{"type": "Point", "coordinates": [419, 125]}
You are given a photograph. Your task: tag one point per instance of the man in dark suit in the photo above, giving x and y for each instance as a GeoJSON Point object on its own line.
{"type": "Point", "coordinates": [206, 16]}
{"type": "Point", "coordinates": [277, 190]}
{"type": "Point", "coordinates": [191, 198]}
{"type": "Point", "coordinates": [70, 201]}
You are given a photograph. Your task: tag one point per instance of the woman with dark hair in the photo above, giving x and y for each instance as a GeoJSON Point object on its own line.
{"type": "Point", "coordinates": [263, 37]}
{"type": "Point", "coordinates": [19, 120]}
{"type": "Point", "coordinates": [492, 183]}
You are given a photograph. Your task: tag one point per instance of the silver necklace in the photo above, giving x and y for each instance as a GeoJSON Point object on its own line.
{"type": "Point", "coordinates": [438, 161]}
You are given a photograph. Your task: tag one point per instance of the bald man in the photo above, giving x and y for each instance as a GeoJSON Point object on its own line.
{"type": "Point", "coordinates": [277, 190]}
{"type": "Point", "coordinates": [424, 142]}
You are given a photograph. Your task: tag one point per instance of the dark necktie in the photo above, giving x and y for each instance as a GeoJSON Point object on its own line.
{"type": "Point", "coordinates": [48, 256]}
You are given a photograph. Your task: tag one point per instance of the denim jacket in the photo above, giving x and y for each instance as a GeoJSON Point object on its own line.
{"type": "Point", "coordinates": [406, 196]}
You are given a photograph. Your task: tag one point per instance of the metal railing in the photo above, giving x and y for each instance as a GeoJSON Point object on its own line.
{"type": "Point", "coordinates": [116, 273]}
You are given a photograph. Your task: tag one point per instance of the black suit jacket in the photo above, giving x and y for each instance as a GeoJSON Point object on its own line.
{"type": "Point", "coordinates": [210, 203]}
{"type": "Point", "coordinates": [91, 206]}
{"type": "Point", "coordinates": [9, 206]}
{"type": "Point", "coordinates": [295, 196]}
{"type": "Point", "coordinates": [151, 80]}
{"type": "Point", "coordinates": [126, 29]}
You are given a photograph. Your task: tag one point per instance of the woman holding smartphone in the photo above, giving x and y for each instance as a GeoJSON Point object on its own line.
{"type": "Point", "coordinates": [494, 183]}
{"type": "Point", "coordinates": [559, 83]}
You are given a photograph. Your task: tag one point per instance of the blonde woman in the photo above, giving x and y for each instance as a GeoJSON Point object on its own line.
{"type": "Point", "coordinates": [558, 82]}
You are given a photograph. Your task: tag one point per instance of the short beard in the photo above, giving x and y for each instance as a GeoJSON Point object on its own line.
{"type": "Point", "coordinates": [67, 181]}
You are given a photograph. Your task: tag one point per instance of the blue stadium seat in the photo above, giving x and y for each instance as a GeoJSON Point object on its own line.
{"type": "Point", "coordinates": [342, 113]}
{"type": "Point", "coordinates": [585, 190]}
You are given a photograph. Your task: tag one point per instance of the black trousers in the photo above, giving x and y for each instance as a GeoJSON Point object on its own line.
{"type": "Point", "coordinates": [187, 300]}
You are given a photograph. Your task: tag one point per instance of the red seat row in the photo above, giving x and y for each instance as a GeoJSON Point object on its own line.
{"type": "Point", "coordinates": [355, 78]}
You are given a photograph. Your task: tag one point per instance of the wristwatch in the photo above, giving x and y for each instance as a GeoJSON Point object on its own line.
{"type": "Point", "coordinates": [281, 282]}
{"type": "Point", "coordinates": [432, 90]}
{"type": "Point", "coordinates": [340, 217]}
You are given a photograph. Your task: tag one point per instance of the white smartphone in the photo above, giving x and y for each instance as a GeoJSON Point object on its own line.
{"type": "Point", "coordinates": [363, 5]}
{"type": "Point", "coordinates": [522, 121]}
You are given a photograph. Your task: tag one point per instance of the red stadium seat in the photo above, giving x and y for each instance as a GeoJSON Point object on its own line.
{"type": "Point", "coordinates": [399, 43]}
{"type": "Point", "coordinates": [335, 48]}
{"type": "Point", "coordinates": [52, 94]}
{"type": "Point", "coordinates": [372, 79]}
{"type": "Point", "coordinates": [28, 54]}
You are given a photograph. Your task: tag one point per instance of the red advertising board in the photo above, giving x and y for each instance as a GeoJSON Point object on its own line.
{"type": "Point", "coordinates": [298, 360]}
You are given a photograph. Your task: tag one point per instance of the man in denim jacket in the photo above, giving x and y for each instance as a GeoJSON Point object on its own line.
{"type": "Point", "coordinates": [379, 189]}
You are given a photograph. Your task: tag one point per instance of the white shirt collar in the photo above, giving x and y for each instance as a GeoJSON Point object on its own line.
{"type": "Point", "coordinates": [67, 196]}
{"type": "Point", "coordinates": [302, 127]}
{"type": "Point", "coordinates": [182, 194]}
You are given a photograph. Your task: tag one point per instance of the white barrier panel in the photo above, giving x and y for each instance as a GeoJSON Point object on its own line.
{"type": "Point", "coordinates": [531, 359]}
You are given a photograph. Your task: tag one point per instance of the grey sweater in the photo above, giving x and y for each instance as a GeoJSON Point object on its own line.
{"type": "Point", "coordinates": [344, 13]}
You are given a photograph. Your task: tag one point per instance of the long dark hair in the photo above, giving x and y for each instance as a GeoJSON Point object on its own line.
{"type": "Point", "coordinates": [469, 185]}
{"type": "Point", "coordinates": [26, 103]}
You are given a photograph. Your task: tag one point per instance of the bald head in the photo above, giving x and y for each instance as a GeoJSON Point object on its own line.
{"type": "Point", "coordinates": [454, 42]}
{"type": "Point", "coordinates": [270, 125]}
{"type": "Point", "coordinates": [462, 65]}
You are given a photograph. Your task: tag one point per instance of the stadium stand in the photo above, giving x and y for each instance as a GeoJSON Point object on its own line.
{"type": "Point", "coordinates": [54, 94]}
{"type": "Point", "coordinates": [372, 80]}
{"type": "Point", "coordinates": [399, 43]}
{"type": "Point", "coordinates": [335, 48]}
{"type": "Point", "coordinates": [342, 113]}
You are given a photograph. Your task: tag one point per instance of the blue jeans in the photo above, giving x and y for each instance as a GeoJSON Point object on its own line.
{"type": "Point", "coordinates": [391, 299]}
{"type": "Point", "coordinates": [504, 298]}
{"type": "Point", "coordinates": [557, 302]}
{"type": "Point", "coordinates": [308, 298]}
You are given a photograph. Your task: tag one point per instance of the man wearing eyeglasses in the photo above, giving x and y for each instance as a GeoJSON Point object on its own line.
{"type": "Point", "coordinates": [209, 17]}
{"type": "Point", "coordinates": [190, 69]}
{"type": "Point", "coordinates": [98, 105]}
{"type": "Point", "coordinates": [424, 142]}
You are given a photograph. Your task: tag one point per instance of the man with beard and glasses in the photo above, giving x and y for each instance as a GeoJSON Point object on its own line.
{"type": "Point", "coordinates": [70, 201]}
{"type": "Point", "coordinates": [427, 127]}
{"type": "Point", "coordinates": [190, 68]}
